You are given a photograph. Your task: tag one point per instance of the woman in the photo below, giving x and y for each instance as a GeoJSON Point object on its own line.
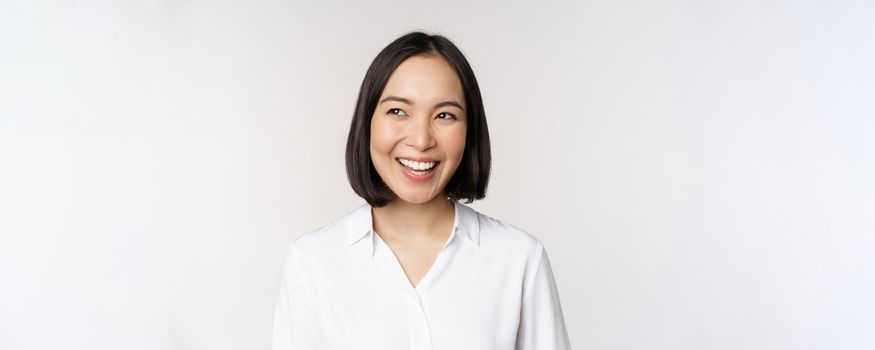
{"type": "Point", "coordinates": [414, 268]}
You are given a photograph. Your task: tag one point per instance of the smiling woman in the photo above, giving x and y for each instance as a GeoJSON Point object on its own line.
{"type": "Point", "coordinates": [413, 267]}
{"type": "Point", "coordinates": [417, 140]}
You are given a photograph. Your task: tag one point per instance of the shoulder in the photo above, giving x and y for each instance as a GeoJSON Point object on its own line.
{"type": "Point", "coordinates": [330, 236]}
{"type": "Point", "coordinates": [501, 234]}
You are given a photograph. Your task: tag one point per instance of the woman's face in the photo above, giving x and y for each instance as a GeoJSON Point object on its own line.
{"type": "Point", "coordinates": [419, 123]}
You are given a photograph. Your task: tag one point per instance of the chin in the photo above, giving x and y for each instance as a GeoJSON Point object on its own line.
{"type": "Point", "coordinates": [416, 198]}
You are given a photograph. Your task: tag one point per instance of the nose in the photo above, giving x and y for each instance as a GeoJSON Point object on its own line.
{"type": "Point", "coordinates": [421, 135]}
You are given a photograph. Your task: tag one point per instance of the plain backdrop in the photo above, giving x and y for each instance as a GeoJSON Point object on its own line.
{"type": "Point", "coordinates": [700, 172]}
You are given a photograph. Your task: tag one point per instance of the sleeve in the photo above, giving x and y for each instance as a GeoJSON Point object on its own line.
{"type": "Point", "coordinates": [542, 325]}
{"type": "Point", "coordinates": [294, 326]}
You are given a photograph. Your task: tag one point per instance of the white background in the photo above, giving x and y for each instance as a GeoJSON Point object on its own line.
{"type": "Point", "coordinates": [701, 172]}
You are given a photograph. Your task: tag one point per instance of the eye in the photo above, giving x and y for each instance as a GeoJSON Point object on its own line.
{"type": "Point", "coordinates": [451, 116]}
{"type": "Point", "coordinates": [395, 111]}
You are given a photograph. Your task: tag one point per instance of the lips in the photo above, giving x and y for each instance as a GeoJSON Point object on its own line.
{"type": "Point", "coordinates": [418, 166]}
{"type": "Point", "coordinates": [415, 175]}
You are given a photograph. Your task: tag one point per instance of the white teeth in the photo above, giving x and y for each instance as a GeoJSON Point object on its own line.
{"type": "Point", "coordinates": [417, 165]}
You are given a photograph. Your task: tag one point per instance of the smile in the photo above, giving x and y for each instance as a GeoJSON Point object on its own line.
{"type": "Point", "coordinates": [417, 171]}
{"type": "Point", "coordinates": [420, 166]}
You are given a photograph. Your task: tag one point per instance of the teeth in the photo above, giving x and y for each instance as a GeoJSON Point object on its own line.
{"type": "Point", "coordinates": [417, 165]}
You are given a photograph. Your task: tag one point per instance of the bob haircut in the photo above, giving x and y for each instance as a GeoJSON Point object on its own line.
{"type": "Point", "coordinates": [472, 176]}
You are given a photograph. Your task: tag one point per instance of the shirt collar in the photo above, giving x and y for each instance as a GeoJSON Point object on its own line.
{"type": "Point", "coordinates": [359, 223]}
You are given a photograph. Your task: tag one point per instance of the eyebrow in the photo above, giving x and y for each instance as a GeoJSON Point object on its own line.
{"type": "Point", "coordinates": [404, 100]}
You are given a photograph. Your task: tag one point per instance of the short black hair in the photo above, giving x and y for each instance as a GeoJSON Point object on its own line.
{"type": "Point", "coordinates": [472, 176]}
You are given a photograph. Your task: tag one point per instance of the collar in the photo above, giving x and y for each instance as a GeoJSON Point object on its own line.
{"type": "Point", "coordinates": [359, 223]}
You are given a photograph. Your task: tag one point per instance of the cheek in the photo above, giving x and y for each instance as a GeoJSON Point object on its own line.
{"type": "Point", "coordinates": [455, 143]}
{"type": "Point", "coordinates": [381, 138]}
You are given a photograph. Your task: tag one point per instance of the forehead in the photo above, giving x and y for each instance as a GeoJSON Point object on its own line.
{"type": "Point", "coordinates": [425, 78]}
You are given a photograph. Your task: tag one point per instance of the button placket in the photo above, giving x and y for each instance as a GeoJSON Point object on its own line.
{"type": "Point", "coordinates": [420, 334]}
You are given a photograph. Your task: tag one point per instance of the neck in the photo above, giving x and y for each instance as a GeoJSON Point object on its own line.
{"type": "Point", "coordinates": [413, 220]}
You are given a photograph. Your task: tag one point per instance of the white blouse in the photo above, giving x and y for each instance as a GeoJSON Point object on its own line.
{"type": "Point", "coordinates": [490, 287]}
